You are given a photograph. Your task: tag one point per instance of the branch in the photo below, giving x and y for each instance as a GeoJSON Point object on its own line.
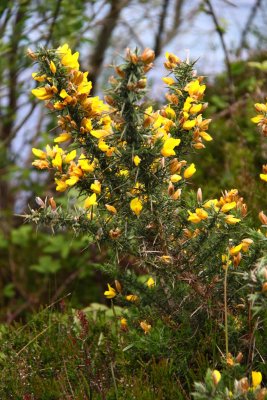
{"type": "Point", "coordinates": [55, 16]}
{"type": "Point", "coordinates": [161, 27]}
{"type": "Point", "coordinates": [246, 29]}
{"type": "Point", "coordinates": [102, 42]}
{"type": "Point", "coordinates": [224, 47]}
{"type": "Point", "coordinates": [171, 33]}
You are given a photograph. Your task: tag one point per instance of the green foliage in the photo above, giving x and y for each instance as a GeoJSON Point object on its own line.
{"type": "Point", "coordinates": [45, 266]}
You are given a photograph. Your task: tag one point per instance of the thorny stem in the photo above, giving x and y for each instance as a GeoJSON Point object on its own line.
{"type": "Point", "coordinates": [226, 312]}
{"type": "Point", "coordinates": [225, 306]}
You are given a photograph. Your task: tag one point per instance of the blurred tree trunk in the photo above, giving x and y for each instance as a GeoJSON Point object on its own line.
{"type": "Point", "coordinates": [8, 119]}
{"type": "Point", "coordinates": [103, 39]}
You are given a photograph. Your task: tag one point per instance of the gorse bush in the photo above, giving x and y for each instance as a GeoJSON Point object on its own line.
{"type": "Point", "coordinates": [188, 274]}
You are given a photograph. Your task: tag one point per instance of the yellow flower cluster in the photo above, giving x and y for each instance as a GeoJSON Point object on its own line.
{"type": "Point", "coordinates": [242, 386]}
{"type": "Point", "coordinates": [235, 253]}
{"type": "Point", "coordinates": [132, 298]}
{"type": "Point", "coordinates": [261, 118]}
{"type": "Point", "coordinates": [67, 171]}
{"type": "Point", "coordinates": [228, 201]}
{"type": "Point", "coordinates": [261, 121]}
{"type": "Point", "coordinates": [110, 158]}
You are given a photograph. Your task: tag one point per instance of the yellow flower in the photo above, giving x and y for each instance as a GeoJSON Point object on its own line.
{"type": "Point", "coordinates": [136, 160]}
{"type": "Point", "coordinates": [228, 206]}
{"type": "Point", "coordinates": [193, 217]}
{"type": "Point", "coordinates": [168, 80]}
{"type": "Point", "coordinates": [263, 177]}
{"type": "Point", "coordinates": [172, 58]}
{"type": "Point", "coordinates": [132, 298]}
{"type": "Point", "coordinates": [40, 164]}
{"type": "Point", "coordinates": [195, 90]}
{"type": "Point", "coordinates": [57, 161]}
{"type": "Point", "coordinates": [230, 219]}
{"type": "Point", "coordinates": [246, 244]}
{"type": "Point", "coordinates": [90, 201]}
{"type": "Point", "coordinates": [96, 187]}
{"type": "Point", "coordinates": [61, 185]}
{"type": "Point", "coordinates": [85, 165]}
{"type": "Point", "coordinates": [257, 119]}
{"type": "Point", "coordinates": [38, 78]}
{"type": "Point", "coordinates": [166, 259]}
{"type": "Point", "coordinates": [256, 378]}
{"type": "Point", "coordinates": [170, 112]}
{"type": "Point", "coordinates": [68, 59]}
{"type": "Point", "coordinates": [150, 283]}
{"type": "Point", "coordinates": [189, 171]}
{"type": "Point", "coordinates": [111, 209]}
{"type": "Point", "coordinates": [52, 67]}
{"type": "Point", "coordinates": [205, 136]}
{"type": "Point", "coordinates": [211, 203]}
{"type": "Point", "coordinates": [136, 206]}
{"type": "Point", "coordinates": [168, 147]}
{"type": "Point", "coordinates": [124, 324]}
{"type": "Point", "coordinates": [87, 124]}
{"type": "Point", "coordinates": [103, 146]}
{"type": "Point", "coordinates": [99, 133]}
{"type": "Point", "coordinates": [145, 326]}
{"type": "Point", "coordinates": [70, 156]}
{"type": "Point", "coordinates": [235, 250]}
{"type": "Point", "coordinates": [42, 93]}
{"type": "Point", "coordinates": [63, 137]}
{"type": "Point", "coordinates": [216, 376]}
{"type": "Point", "coordinates": [188, 125]}
{"type": "Point", "coordinates": [63, 94]}
{"type": "Point", "coordinates": [110, 293]}
{"type": "Point", "coordinates": [260, 107]}
{"type": "Point", "coordinates": [39, 153]}
{"type": "Point", "coordinates": [72, 180]}
{"type": "Point", "coordinates": [123, 172]}
{"type": "Point", "coordinates": [195, 109]}
{"type": "Point", "coordinates": [202, 213]}
{"type": "Point", "coordinates": [175, 178]}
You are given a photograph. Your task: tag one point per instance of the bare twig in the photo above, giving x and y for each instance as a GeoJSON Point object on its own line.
{"type": "Point", "coordinates": [102, 41]}
{"type": "Point", "coordinates": [55, 16]}
{"type": "Point", "coordinates": [224, 47]}
{"type": "Point", "coordinates": [247, 26]}
{"type": "Point", "coordinates": [161, 28]}
{"type": "Point", "coordinates": [176, 22]}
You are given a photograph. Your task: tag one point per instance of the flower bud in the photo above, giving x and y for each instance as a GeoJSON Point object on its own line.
{"type": "Point", "coordinates": [118, 286]}
{"type": "Point", "coordinates": [199, 195]}
{"type": "Point", "coordinates": [109, 100]}
{"type": "Point", "coordinates": [264, 287]}
{"type": "Point", "coordinates": [199, 146]}
{"type": "Point", "coordinates": [242, 386]}
{"type": "Point", "coordinates": [148, 67]}
{"type": "Point", "coordinates": [124, 325]}
{"type": "Point", "coordinates": [115, 233]}
{"type": "Point", "coordinates": [120, 72]}
{"type": "Point", "coordinates": [39, 202]}
{"type": "Point", "coordinates": [176, 195]}
{"type": "Point", "coordinates": [147, 56]}
{"type": "Point", "coordinates": [141, 83]}
{"type": "Point", "coordinates": [239, 357]}
{"type": "Point", "coordinates": [172, 98]}
{"type": "Point", "coordinates": [216, 376]}
{"type": "Point", "coordinates": [171, 189]}
{"type": "Point", "coordinates": [31, 54]}
{"type": "Point", "coordinates": [52, 203]}
{"type": "Point", "coordinates": [263, 218]}
{"type": "Point", "coordinates": [237, 259]}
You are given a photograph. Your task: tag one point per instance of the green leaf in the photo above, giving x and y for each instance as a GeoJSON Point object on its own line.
{"type": "Point", "coordinates": [46, 265]}
{"type": "Point", "coordinates": [9, 290]}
